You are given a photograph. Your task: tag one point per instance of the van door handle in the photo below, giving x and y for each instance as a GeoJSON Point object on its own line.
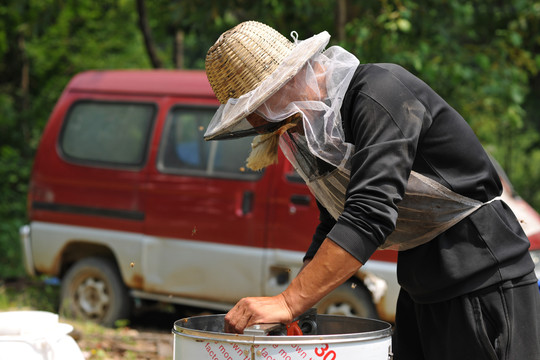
{"type": "Point", "coordinates": [247, 202]}
{"type": "Point", "coordinates": [300, 199]}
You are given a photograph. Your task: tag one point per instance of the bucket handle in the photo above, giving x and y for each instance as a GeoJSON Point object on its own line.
{"type": "Point", "coordinates": [263, 329]}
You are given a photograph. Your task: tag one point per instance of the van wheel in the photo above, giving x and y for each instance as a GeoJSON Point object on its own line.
{"type": "Point", "coordinates": [349, 299]}
{"type": "Point", "coordinates": [93, 290]}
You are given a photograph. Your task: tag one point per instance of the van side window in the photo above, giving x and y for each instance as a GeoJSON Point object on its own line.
{"type": "Point", "coordinates": [107, 133]}
{"type": "Point", "coordinates": [184, 151]}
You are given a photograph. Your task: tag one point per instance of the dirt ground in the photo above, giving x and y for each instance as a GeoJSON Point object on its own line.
{"type": "Point", "coordinates": [125, 343]}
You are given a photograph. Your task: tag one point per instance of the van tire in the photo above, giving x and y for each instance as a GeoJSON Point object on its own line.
{"type": "Point", "coordinates": [93, 289]}
{"type": "Point", "coordinates": [350, 299]}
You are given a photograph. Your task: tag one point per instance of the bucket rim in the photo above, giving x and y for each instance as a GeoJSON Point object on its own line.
{"type": "Point", "coordinates": [385, 331]}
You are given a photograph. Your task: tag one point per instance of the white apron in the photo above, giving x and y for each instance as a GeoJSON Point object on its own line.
{"type": "Point", "coordinates": [427, 209]}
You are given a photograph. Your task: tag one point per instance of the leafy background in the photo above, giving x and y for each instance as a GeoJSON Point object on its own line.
{"type": "Point", "coordinates": [482, 56]}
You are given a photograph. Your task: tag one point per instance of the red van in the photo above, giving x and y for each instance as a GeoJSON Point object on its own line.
{"type": "Point", "coordinates": [128, 201]}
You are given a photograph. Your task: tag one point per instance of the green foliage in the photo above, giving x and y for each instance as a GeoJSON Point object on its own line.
{"type": "Point", "coordinates": [481, 56]}
{"type": "Point", "coordinates": [14, 172]}
{"type": "Point", "coordinates": [25, 295]}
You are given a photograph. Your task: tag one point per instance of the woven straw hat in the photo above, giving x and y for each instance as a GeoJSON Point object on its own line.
{"type": "Point", "coordinates": [243, 58]}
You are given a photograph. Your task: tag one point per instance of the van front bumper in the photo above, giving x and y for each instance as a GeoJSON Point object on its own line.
{"type": "Point", "coordinates": [28, 259]}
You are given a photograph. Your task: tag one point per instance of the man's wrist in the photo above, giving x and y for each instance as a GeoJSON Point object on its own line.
{"type": "Point", "coordinates": [296, 302]}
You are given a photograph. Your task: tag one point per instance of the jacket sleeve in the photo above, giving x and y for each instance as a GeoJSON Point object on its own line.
{"type": "Point", "coordinates": [384, 124]}
{"type": "Point", "coordinates": [326, 223]}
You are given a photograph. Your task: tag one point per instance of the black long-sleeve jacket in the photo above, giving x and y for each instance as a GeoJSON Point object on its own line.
{"type": "Point", "coordinates": [398, 124]}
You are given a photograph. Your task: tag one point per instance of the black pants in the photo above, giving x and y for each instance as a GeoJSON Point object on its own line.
{"type": "Point", "coordinates": [498, 323]}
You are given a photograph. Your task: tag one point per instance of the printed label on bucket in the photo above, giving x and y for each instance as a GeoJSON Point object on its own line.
{"type": "Point", "coordinates": [216, 350]}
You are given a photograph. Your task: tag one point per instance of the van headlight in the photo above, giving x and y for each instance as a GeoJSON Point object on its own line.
{"type": "Point", "coordinates": [535, 254]}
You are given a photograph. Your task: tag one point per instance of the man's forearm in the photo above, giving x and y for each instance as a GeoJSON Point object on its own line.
{"type": "Point", "coordinates": [328, 269]}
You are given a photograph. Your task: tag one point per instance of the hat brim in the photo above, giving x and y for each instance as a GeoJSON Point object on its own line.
{"type": "Point", "coordinates": [235, 110]}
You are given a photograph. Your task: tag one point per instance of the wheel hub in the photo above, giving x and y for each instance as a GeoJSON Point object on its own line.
{"type": "Point", "coordinates": [92, 297]}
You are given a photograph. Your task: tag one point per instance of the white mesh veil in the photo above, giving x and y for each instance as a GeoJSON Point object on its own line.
{"type": "Point", "coordinates": [310, 82]}
{"type": "Point", "coordinates": [317, 93]}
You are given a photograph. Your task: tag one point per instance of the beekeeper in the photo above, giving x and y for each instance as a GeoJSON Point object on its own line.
{"type": "Point", "coordinates": [393, 166]}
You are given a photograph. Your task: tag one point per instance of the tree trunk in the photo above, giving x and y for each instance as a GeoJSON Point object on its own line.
{"type": "Point", "coordinates": [25, 88]}
{"type": "Point", "coordinates": [179, 49]}
{"type": "Point", "coordinates": [341, 19]}
{"type": "Point", "coordinates": [147, 34]}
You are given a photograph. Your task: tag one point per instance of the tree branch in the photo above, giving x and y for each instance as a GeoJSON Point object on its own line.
{"type": "Point", "coordinates": [147, 34]}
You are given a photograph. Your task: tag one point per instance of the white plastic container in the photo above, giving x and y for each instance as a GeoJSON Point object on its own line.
{"type": "Point", "coordinates": [36, 335]}
{"type": "Point", "coordinates": [337, 338]}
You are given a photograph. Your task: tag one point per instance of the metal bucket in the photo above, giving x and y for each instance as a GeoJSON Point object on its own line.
{"type": "Point", "coordinates": [335, 338]}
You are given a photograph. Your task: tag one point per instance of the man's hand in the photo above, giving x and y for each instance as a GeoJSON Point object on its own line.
{"type": "Point", "coordinates": [328, 269]}
{"type": "Point", "coordinates": [257, 310]}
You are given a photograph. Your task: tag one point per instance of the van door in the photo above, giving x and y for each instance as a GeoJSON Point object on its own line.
{"type": "Point", "coordinates": [205, 213]}
{"type": "Point", "coordinates": [293, 217]}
